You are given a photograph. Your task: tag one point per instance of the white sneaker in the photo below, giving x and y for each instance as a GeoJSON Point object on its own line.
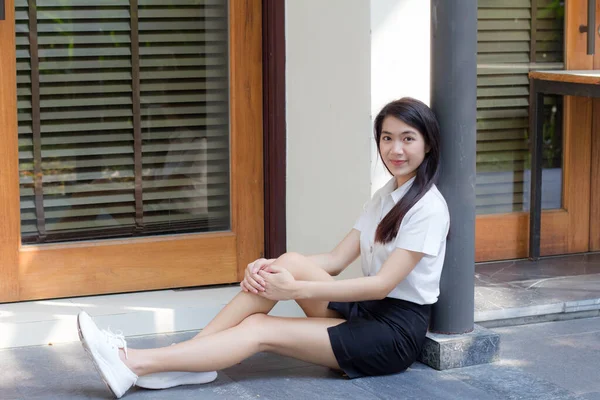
{"type": "Point", "coordinates": [103, 348]}
{"type": "Point", "coordinates": [165, 380]}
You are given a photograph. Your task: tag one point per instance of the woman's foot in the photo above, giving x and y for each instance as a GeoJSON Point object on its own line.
{"type": "Point", "coordinates": [103, 348]}
{"type": "Point", "coordinates": [165, 380]}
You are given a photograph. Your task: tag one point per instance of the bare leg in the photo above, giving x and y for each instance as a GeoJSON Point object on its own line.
{"type": "Point", "coordinates": [302, 338]}
{"type": "Point", "coordinates": [245, 304]}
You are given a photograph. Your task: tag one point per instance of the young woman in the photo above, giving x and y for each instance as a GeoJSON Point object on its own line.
{"type": "Point", "coordinates": [372, 325]}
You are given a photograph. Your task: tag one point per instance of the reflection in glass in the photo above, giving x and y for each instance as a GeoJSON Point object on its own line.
{"type": "Point", "coordinates": [100, 77]}
{"type": "Point", "coordinates": [510, 44]}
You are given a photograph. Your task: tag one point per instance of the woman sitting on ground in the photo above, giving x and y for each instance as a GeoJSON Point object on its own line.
{"type": "Point", "coordinates": [373, 325]}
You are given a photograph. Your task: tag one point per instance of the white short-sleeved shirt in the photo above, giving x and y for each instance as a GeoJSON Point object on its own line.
{"type": "Point", "coordinates": [423, 229]}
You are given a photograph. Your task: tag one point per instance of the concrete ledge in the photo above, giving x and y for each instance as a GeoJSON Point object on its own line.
{"type": "Point", "coordinates": [517, 312]}
{"type": "Point", "coordinates": [536, 319]}
{"type": "Point", "coordinates": [538, 313]}
{"type": "Point", "coordinates": [481, 346]}
{"type": "Point", "coordinates": [53, 321]}
{"type": "Point", "coordinates": [38, 323]}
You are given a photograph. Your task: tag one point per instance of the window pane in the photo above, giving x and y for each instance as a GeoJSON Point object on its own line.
{"type": "Point", "coordinates": [513, 39]}
{"type": "Point", "coordinates": [95, 96]}
{"type": "Point", "coordinates": [185, 113]}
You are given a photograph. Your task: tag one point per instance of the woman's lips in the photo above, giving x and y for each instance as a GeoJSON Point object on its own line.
{"type": "Point", "coordinates": [398, 163]}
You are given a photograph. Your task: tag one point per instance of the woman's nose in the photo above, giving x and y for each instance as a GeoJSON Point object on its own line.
{"type": "Point", "coordinates": [398, 148]}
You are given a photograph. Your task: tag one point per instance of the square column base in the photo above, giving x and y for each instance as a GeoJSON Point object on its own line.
{"type": "Point", "coordinates": [481, 346]}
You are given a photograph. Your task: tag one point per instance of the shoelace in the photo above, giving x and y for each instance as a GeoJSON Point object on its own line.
{"type": "Point", "coordinates": [116, 339]}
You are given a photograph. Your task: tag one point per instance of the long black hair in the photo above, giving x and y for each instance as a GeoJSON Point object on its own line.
{"type": "Point", "coordinates": [420, 117]}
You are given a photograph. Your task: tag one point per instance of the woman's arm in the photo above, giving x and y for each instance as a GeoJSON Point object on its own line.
{"type": "Point", "coordinates": [397, 267]}
{"type": "Point", "coordinates": [339, 258]}
{"type": "Point", "coordinates": [333, 262]}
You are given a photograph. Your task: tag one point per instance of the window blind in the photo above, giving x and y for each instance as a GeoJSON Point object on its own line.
{"type": "Point", "coordinates": [514, 37]}
{"type": "Point", "coordinates": [123, 117]}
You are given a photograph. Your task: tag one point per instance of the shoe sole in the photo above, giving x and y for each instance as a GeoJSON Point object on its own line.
{"type": "Point", "coordinates": [91, 356]}
{"type": "Point", "coordinates": [181, 380]}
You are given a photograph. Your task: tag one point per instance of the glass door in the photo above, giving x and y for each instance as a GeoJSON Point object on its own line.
{"type": "Point", "coordinates": [515, 37]}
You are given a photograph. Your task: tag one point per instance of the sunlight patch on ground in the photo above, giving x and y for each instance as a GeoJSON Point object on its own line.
{"type": "Point", "coordinates": [6, 314]}
{"type": "Point", "coordinates": [64, 304]}
{"type": "Point", "coordinates": [7, 334]}
{"type": "Point", "coordinates": [62, 329]}
{"type": "Point", "coordinates": [512, 363]}
{"type": "Point", "coordinates": [153, 309]}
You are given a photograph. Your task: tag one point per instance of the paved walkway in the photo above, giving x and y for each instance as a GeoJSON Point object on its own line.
{"type": "Point", "coordinates": [554, 360]}
{"type": "Point", "coordinates": [552, 288]}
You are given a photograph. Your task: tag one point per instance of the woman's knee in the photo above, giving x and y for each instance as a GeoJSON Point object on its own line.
{"type": "Point", "coordinates": [290, 258]}
{"type": "Point", "coordinates": [293, 262]}
{"type": "Point", "coordinates": [302, 268]}
{"type": "Point", "coordinates": [257, 326]}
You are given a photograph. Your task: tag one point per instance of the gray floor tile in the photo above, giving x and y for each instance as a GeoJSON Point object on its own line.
{"type": "Point", "coordinates": [575, 284]}
{"type": "Point", "coordinates": [222, 388]}
{"type": "Point", "coordinates": [12, 374]}
{"type": "Point", "coordinates": [496, 298]}
{"type": "Point", "coordinates": [570, 361]}
{"type": "Point", "coordinates": [546, 361]}
{"type": "Point", "coordinates": [149, 342]}
{"type": "Point", "coordinates": [591, 396]}
{"type": "Point", "coordinates": [43, 369]}
{"type": "Point", "coordinates": [422, 383]}
{"type": "Point", "coordinates": [10, 393]}
{"type": "Point", "coordinates": [510, 383]}
{"type": "Point", "coordinates": [311, 382]}
{"type": "Point", "coordinates": [511, 271]}
{"type": "Point", "coordinates": [264, 362]}
{"type": "Point", "coordinates": [536, 292]}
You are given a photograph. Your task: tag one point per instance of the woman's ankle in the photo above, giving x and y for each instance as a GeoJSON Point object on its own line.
{"type": "Point", "coordinates": [132, 361]}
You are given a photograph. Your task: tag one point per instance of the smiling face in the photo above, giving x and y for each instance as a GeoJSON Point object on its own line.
{"type": "Point", "coordinates": [402, 148]}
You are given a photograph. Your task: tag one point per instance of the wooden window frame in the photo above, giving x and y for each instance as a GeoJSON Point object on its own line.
{"type": "Point", "coordinates": [27, 270]}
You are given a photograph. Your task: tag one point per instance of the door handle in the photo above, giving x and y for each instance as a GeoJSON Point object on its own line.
{"type": "Point", "coordinates": [2, 14]}
{"type": "Point", "coordinates": [591, 23]}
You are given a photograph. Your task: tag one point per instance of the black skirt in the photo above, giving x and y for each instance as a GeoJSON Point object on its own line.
{"type": "Point", "coordinates": [379, 337]}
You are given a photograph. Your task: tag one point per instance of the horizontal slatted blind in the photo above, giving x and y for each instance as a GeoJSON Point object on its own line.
{"type": "Point", "coordinates": [185, 126]}
{"type": "Point", "coordinates": [514, 37]}
{"type": "Point", "coordinates": [123, 117]}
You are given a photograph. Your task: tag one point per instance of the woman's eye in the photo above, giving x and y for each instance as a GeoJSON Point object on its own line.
{"type": "Point", "coordinates": [409, 139]}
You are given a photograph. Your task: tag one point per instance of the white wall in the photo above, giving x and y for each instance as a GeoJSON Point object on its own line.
{"type": "Point", "coordinates": [399, 60]}
{"type": "Point", "coordinates": [345, 60]}
{"type": "Point", "coordinates": [328, 121]}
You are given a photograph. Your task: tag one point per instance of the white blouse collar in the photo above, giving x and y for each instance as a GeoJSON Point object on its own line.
{"type": "Point", "coordinates": [396, 193]}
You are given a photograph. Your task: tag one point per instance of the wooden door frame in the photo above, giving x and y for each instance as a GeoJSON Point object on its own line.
{"type": "Point", "coordinates": [595, 149]}
{"type": "Point", "coordinates": [10, 221]}
{"type": "Point", "coordinates": [274, 127]}
{"type": "Point", "coordinates": [506, 236]}
{"type": "Point", "coordinates": [106, 266]}
{"type": "Point", "coordinates": [595, 178]}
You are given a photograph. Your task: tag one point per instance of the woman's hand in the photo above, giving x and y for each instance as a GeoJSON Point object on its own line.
{"type": "Point", "coordinates": [252, 282]}
{"type": "Point", "coordinates": [279, 283]}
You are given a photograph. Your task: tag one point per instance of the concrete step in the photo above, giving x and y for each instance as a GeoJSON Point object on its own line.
{"type": "Point", "coordinates": [167, 311]}
{"type": "Point", "coordinates": [47, 322]}
{"type": "Point", "coordinates": [518, 302]}
{"type": "Point", "coordinates": [561, 311]}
